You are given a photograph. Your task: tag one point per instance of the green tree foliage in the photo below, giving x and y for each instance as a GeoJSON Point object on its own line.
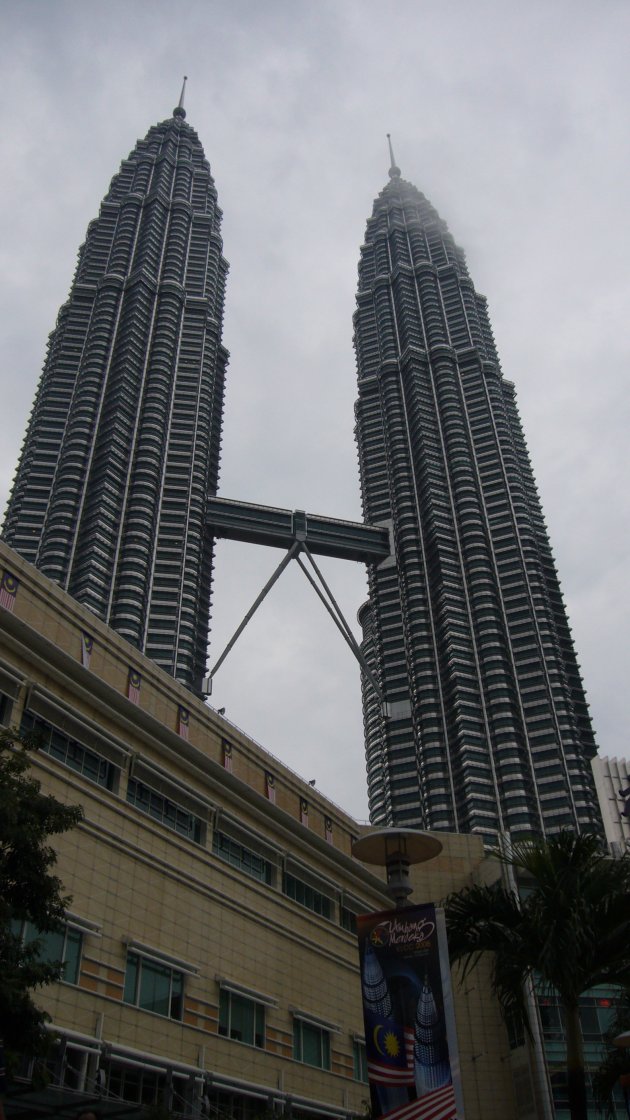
{"type": "Point", "coordinates": [569, 926]}
{"type": "Point", "coordinates": [29, 891]}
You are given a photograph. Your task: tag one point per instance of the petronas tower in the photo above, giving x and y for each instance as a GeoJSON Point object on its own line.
{"type": "Point", "coordinates": [485, 726]}
{"type": "Point", "coordinates": [122, 448]}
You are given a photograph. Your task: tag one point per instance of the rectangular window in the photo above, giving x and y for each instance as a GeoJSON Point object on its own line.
{"type": "Point", "coordinates": [64, 945]}
{"type": "Point", "coordinates": [142, 1086]}
{"type": "Point", "coordinates": [347, 920]}
{"type": "Point", "coordinates": [154, 986]}
{"type": "Point", "coordinates": [6, 707]}
{"type": "Point", "coordinates": [162, 809]}
{"type": "Point", "coordinates": [72, 754]}
{"type": "Point", "coordinates": [307, 896]}
{"type": "Point", "coordinates": [243, 858]}
{"type": "Point", "coordinates": [359, 1061]}
{"type": "Point", "coordinates": [311, 1044]}
{"type": "Point", "coordinates": [241, 1018]}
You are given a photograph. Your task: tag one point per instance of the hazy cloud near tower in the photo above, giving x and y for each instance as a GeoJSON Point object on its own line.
{"type": "Point", "coordinates": [513, 121]}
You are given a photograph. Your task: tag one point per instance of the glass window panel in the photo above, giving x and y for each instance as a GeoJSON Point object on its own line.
{"type": "Point", "coordinates": [311, 1045]}
{"type": "Point", "coordinates": [131, 978]}
{"type": "Point", "coordinates": [59, 945]}
{"type": "Point", "coordinates": [590, 1022]}
{"type": "Point", "coordinates": [51, 946]}
{"type": "Point", "coordinates": [325, 1050]}
{"type": "Point", "coordinates": [155, 988]}
{"type": "Point", "coordinates": [177, 995]}
{"type": "Point", "coordinates": [72, 956]}
{"type": "Point", "coordinates": [259, 1037]}
{"type": "Point", "coordinates": [242, 1020]}
{"type": "Point", "coordinates": [360, 1061]}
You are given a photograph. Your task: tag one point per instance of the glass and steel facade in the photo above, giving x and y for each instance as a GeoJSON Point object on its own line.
{"type": "Point", "coordinates": [122, 447]}
{"type": "Point", "coordinates": [485, 727]}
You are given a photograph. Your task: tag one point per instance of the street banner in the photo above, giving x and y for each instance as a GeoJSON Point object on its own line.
{"type": "Point", "coordinates": [410, 1043]}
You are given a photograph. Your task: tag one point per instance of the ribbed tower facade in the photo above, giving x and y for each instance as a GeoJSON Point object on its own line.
{"type": "Point", "coordinates": [122, 447]}
{"type": "Point", "coordinates": [485, 727]}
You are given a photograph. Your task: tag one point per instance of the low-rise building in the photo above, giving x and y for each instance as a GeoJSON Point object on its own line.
{"type": "Point", "coordinates": [210, 956]}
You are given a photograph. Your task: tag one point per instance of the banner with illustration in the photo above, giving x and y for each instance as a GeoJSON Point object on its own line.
{"type": "Point", "coordinates": [410, 1042]}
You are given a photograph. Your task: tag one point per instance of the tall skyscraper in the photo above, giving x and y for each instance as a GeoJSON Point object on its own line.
{"type": "Point", "coordinates": [486, 727]}
{"type": "Point", "coordinates": [122, 448]}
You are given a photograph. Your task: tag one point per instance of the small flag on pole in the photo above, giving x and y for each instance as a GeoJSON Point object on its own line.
{"type": "Point", "coordinates": [134, 681]}
{"type": "Point", "coordinates": [270, 785]}
{"type": "Point", "coordinates": [328, 830]}
{"type": "Point", "coordinates": [304, 811]}
{"type": "Point", "coordinates": [8, 590]}
{"type": "Point", "coordinates": [227, 756]}
{"type": "Point", "coordinates": [183, 721]}
{"type": "Point", "coordinates": [87, 645]}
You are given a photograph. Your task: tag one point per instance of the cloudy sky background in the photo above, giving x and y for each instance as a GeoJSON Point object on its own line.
{"type": "Point", "coordinates": [511, 117]}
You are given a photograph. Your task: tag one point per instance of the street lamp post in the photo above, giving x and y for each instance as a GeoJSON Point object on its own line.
{"type": "Point", "coordinates": [396, 849]}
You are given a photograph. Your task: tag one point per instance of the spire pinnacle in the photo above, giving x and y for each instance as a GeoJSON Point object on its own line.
{"type": "Point", "coordinates": [394, 171]}
{"type": "Point", "coordinates": [180, 111]}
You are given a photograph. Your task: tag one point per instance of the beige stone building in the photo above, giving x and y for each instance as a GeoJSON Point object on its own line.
{"type": "Point", "coordinates": [210, 958]}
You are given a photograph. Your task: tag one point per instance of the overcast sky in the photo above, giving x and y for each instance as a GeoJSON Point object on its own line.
{"type": "Point", "coordinates": [511, 117]}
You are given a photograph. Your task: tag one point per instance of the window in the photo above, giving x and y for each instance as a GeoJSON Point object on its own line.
{"type": "Point", "coordinates": [307, 896]}
{"type": "Point", "coordinates": [154, 986]}
{"type": "Point", "coordinates": [138, 1084]}
{"type": "Point", "coordinates": [311, 1044]}
{"type": "Point", "coordinates": [162, 809]}
{"type": "Point", "coordinates": [6, 707]}
{"type": "Point", "coordinates": [359, 1060]}
{"type": "Point", "coordinates": [241, 1018]}
{"type": "Point", "coordinates": [347, 920]}
{"type": "Point", "coordinates": [63, 945]}
{"type": "Point", "coordinates": [72, 754]}
{"type": "Point", "coordinates": [239, 856]}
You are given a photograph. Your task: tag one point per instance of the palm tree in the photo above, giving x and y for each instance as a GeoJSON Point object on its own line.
{"type": "Point", "coordinates": [569, 927]}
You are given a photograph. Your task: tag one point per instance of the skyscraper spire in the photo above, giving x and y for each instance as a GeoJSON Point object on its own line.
{"type": "Point", "coordinates": [180, 111]}
{"type": "Point", "coordinates": [394, 171]}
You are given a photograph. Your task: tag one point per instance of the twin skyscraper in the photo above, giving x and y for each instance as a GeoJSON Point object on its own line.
{"type": "Point", "coordinates": [485, 726]}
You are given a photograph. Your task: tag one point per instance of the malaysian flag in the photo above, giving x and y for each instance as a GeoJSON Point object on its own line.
{"type": "Point", "coordinates": [390, 1058]}
{"type": "Point", "coordinates": [270, 786]}
{"type": "Point", "coordinates": [328, 830]}
{"type": "Point", "coordinates": [227, 756]}
{"type": "Point", "coordinates": [87, 645]}
{"type": "Point", "coordinates": [134, 680]}
{"type": "Point", "coordinates": [304, 811]}
{"type": "Point", "coordinates": [183, 721]}
{"type": "Point", "coordinates": [439, 1104]}
{"type": "Point", "coordinates": [8, 590]}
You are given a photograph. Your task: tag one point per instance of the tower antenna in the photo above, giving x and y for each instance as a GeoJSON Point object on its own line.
{"type": "Point", "coordinates": [180, 111]}
{"type": "Point", "coordinates": [394, 170]}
